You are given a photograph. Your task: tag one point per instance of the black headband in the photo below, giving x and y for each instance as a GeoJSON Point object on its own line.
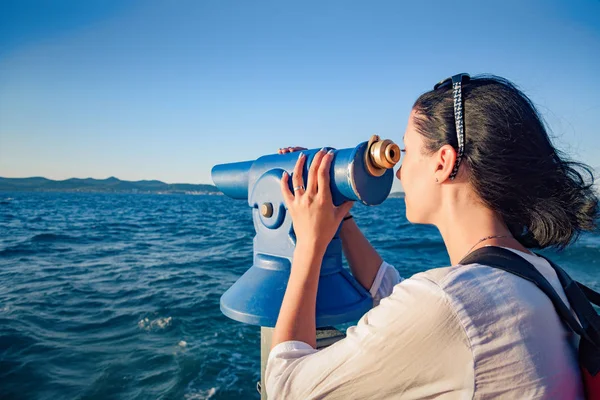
{"type": "Point", "coordinates": [459, 120]}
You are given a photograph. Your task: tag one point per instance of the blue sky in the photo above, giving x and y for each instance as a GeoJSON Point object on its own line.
{"type": "Point", "coordinates": [166, 89]}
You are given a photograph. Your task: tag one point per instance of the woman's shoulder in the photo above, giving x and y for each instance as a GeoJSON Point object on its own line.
{"type": "Point", "coordinates": [443, 277]}
{"type": "Point", "coordinates": [430, 284]}
{"type": "Point", "coordinates": [480, 290]}
{"type": "Point", "coordinates": [473, 287]}
{"type": "Point", "coordinates": [476, 274]}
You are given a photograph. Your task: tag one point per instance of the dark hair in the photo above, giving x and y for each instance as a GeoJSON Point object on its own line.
{"type": "Point", "coordinates": [542, 197]}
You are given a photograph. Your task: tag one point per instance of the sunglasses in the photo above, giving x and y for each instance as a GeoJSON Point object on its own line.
{"type": "Point", "coordinates": [457, 81]}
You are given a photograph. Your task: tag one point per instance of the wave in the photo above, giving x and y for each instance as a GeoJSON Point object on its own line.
{"type": "Point", "coordinates": [121, 226]}
{"type": "Point", "coordinates": [156, 324]}
{"type": "Point", "coordinates": [18, 250]}
{"type": "Point", "coordinates": [201, 394]}
{"type": "Point", "coordinates": [53, 237]}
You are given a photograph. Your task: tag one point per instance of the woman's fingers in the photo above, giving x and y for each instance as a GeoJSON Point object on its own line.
{"type": "Point", "coordinates": [311, 185]}
{"type": "Point", "coordinates": [288, 197]}
{"type": "Point", "coordinates": [297, 179]}
{"type": "Point", "coordinates": [285, 150]}
{"type": "Point", "coordinates": [323, 175]}
{"type": "Point", "coordinates": [318, 173]}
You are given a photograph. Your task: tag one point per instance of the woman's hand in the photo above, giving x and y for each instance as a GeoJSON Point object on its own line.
{"type": "Point", "coordinates": [314, 216]}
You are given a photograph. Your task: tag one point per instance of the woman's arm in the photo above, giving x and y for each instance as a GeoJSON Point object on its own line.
{"type": "Point", "coordinates": [297, 318]}
{"type": "Point", "coordinates": [363, 259]}
{"type": "Point", "coordinates": [315, 220]}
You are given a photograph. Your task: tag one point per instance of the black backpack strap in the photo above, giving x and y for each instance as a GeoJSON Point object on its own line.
{"type": "Point", "coordinates": [591, 294]}
{"type": "Point", "coordinates": [508, 261]}
{"type": "Point", "coordinates": [579, 302]}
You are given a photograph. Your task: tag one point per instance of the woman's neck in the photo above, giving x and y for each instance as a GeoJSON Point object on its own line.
{"type": "Point", "coordinates": [463, 225]}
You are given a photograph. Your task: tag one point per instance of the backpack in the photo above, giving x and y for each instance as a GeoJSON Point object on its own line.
{"type": "Point", "coordinates": [579, 296]}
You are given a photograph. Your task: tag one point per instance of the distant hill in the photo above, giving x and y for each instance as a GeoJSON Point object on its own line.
{"type": "Point", "coordinates": [109, 185]}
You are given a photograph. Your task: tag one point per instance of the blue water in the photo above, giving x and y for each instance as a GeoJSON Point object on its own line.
{"type": "Point", "coordinates": [117, 296]}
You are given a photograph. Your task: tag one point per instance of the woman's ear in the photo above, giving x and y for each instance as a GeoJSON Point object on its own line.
{"type": "Point", "coordinates": [445, 158]}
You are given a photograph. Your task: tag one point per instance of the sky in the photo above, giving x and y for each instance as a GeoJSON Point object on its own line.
{"type": "Point", "coordinates": [167, 89]}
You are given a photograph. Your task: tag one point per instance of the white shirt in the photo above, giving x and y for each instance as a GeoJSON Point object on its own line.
{"type": "Point", "coordinates": [459, 332]}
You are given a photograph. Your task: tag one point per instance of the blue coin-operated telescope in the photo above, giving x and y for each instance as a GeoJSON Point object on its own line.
{"type": "Point", "coordinates": [363, 173]}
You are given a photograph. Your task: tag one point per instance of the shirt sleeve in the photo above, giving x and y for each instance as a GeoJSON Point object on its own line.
{"type": "Point", "coordinates": [412, 346]}
{"type": "Point", "coordinates": [387, 277]}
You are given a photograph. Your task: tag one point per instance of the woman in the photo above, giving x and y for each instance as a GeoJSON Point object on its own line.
{"type": "Point", "coordinates": [478, 164]}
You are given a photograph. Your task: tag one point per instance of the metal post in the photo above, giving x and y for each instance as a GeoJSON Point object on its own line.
{"type": "Point", "coordinates": [266, 334]}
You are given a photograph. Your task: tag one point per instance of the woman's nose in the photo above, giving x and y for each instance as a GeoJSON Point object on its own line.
{"type": "Point", "coordinates": [398, 173]}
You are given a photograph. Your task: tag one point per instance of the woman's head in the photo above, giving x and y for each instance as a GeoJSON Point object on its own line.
{"type": "Point", "coordinates": [508, 162]}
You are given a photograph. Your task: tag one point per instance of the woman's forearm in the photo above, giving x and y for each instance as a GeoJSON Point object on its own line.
{"type": "Point", "coordinates": [363, 259]}
{"type": "Point", "coordinates": [297, 320]}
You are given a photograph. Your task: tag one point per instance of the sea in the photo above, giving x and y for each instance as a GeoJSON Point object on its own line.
{"type": "Point", "coordinates": [116, 296]}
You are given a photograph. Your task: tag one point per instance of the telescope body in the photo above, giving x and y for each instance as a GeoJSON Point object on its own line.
{"type": "Point", "coordinates": [363, 173]}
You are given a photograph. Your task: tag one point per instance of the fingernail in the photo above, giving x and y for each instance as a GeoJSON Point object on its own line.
{"type": "Point", "coordinates": [330, 151]}
{"type": "Point", "coordinates": [284, 174]}
{"type": "Point", "coordinates": [300, 155]}
{"type": "Point", "coordinates": [323, 149]}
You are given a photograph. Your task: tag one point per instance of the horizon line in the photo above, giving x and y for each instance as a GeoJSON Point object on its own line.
{"type": "Point", "coordinates": [103, 179]}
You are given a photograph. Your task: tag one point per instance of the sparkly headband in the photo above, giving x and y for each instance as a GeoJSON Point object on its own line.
{"type": "Point", "coordinates": [459, 120]}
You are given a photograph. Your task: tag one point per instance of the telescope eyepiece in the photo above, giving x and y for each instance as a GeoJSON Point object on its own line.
{"type": "Point", "coordinates": [381, 155]}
